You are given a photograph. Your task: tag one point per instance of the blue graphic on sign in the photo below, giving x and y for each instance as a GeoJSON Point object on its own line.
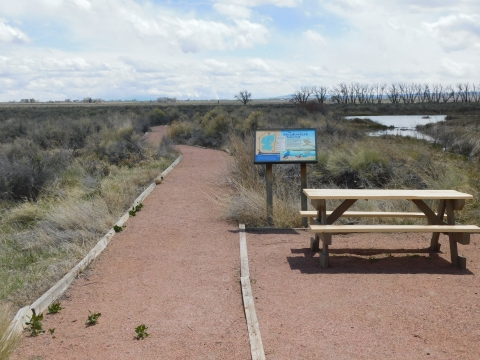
{"type": "Point", "coordinates": [288, 145]}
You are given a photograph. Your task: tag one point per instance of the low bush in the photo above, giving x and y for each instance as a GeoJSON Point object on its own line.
{"type": "Point", "coordinates": [180, 131]}
{"type": "Point", "coordinates": [25, 169]}
{"type": "Point", "coordinates": [158, 117]}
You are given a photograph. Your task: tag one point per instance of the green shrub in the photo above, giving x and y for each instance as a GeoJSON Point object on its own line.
{"type": "Point", "coordinates": [158, 117]}
{"type": "Point", "coordinates": [215, 123]}
{"type": "Point", "coordinates": [180, 131]}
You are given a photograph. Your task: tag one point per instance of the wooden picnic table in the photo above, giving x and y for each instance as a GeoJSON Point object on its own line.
{"type": "Point", "coordinates": [448, 200]}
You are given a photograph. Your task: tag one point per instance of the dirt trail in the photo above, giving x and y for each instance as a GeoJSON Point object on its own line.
{"type": "Point", "coordinates": [175, 268]}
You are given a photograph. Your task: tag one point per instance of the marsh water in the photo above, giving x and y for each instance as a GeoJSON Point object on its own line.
{"type": "Point", "coordinates": [403, 125]}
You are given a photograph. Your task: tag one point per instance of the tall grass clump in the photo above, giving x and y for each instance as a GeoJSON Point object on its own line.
{"type": "Point", "coordinates": [246, 202]}
{"type": "Point", "coordinates": [8, 340]}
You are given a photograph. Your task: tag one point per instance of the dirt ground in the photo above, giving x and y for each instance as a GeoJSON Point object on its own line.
{"type": "Point", "coordinates": [175, 268]}
{"type": "Point", "coordinates": [367, 304]}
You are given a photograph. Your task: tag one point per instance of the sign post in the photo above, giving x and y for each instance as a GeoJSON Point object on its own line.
{"type": "Point", "coordinates": [285, 146]}
{"type": "Point", "coordinates": [303, 197]}
{"type": "Point", "coordinates": [269, 181]}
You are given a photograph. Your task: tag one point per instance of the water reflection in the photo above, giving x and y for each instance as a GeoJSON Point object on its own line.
{"type": "Point", "coordinates": [404, 124]}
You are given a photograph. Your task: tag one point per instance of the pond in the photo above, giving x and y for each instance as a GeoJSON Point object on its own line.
{"type": "Point", "coordinates": [403, 125]}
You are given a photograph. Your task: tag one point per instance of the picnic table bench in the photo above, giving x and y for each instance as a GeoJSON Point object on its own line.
{"type": "Point", "coordinates": [323, 227]}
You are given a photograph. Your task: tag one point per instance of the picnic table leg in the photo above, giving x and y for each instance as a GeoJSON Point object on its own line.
{"type": "Point", "coordinates": [326, 238]}
{"type": "Point", "coordinates": [324, 256]}
{"type": "Point", "coordinates": [434, 245]}
{"type": "Point", "coordinates": [315, 243]}
{"type": "Point", "coordinates": [321, 206]}
{"type": "Point", "coordinates": [458, 261]}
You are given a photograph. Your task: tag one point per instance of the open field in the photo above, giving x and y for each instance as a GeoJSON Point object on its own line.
{"type": "Point", "coordinates": [385, 296]}
{"type": "Point", "coordinates": [80, 166]}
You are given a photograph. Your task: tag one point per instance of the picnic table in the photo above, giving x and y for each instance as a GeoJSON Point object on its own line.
{"type": "Point", "coordinates": [323, 227]}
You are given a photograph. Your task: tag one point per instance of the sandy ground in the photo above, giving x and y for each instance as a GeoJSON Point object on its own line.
{"type": "Point", "coordinates": [398, 307]}
{"type": "Point", "coordinates": [176, 267]}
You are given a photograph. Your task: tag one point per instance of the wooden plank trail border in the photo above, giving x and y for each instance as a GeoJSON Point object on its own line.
{"type": "Point", "coordinates": [42, 303]}
{"type": "Point", "coordinates": [256, 344]}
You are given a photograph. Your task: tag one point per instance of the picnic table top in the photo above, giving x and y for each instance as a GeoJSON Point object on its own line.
{"type": "Point", "coordinates": [314, 194]}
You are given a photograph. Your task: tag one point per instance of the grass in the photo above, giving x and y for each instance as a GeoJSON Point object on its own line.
{"type": "Point", "coordinates": [8, 341]}
{"type": "Point", "coordinates": [347, 159]}
{"type": "Point", "coordinates": [45, 231]}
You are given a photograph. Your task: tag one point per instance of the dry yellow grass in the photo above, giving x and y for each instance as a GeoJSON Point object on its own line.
{"type": "Point", "coordinates": [8, 341]}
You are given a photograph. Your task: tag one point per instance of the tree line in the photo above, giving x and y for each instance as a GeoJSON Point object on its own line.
{"type": "Point", "coordinates": [357, 93]}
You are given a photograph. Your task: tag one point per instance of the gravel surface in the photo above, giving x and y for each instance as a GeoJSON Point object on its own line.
{"type": "Point", "coordinates": [367, 305]}
{"type": "Point", "coordinates": [174, 268]}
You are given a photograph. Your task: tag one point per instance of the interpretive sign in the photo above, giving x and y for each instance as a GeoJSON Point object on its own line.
{"type": "Point", "coordinates": [285, 146]}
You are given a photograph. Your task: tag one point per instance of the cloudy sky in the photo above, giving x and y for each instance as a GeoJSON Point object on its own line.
{"type": "Point", "coordinates": [124, 49]}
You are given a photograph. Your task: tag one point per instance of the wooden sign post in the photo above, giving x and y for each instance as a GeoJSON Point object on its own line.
{"type": "Point", "coordinates": [269, 181]}
{"type": "Point", "coordinates": [286, 146]}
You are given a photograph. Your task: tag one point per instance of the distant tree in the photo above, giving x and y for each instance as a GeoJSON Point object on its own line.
{"type": "Point", "coordinates": [301, 96]}
{"type": "Point", "coordinates": [244, 97]}
{"type": "Point", "coordinates": [320, 93]}
{"type": "Point", "coordinates": [394, 93]}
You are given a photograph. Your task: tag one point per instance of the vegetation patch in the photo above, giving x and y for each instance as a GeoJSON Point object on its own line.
{"type": "Point", "coordinates": [92, 319]}
{"type": "Point", "coordinates": [141, 331]}
{"type": "Point", "coordinates": [64, 180]}
{"type": "Point", "coordinates": [8, 341]}
{"type": "Point", "coordinates": [34, 325]}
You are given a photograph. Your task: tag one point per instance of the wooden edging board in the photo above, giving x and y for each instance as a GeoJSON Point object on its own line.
{"type": "Point", "coordinates": [42, 303]}
{"type": "Point", "coordinates": [256, 345]}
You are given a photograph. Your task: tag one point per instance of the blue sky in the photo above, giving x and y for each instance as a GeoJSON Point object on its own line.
{"type": "Point", "coordinates": [210, 49]}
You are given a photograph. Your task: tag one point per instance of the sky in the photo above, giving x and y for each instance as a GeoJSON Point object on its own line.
{"type": "Point", "coordinates": [212, 49]}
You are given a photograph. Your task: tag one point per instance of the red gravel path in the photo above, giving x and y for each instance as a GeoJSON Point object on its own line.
{"type": "Point", "coordinates": [175, 268]}
{"type": "Point", "coordinates": [399, 307]}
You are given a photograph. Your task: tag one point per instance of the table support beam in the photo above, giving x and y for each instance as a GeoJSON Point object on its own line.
{"type": "Point", "coordinates": [431, 216]}
{"type": "Point", "coordinates": [344, 206]}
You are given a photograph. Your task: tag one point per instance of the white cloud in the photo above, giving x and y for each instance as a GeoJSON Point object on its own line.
{"type": "Point", "coordinates": [314, 37]}
{"type": "Point", "coordinates": [454, 69]}
{"type": "Point", "coordinates": [82, 4]}
{"type": "Point", "coordinates": [257, 64]}
{"type": "Point", "coordinates": [233, 10]}
{"type": "Point", "coordinates": [10, 34]}
{"type": "Point", "coordinates": [456, 32]}
{"type": "Point", "coordinates": [253, 3]}
{"type": "Point", "coordinates": [241, 9]}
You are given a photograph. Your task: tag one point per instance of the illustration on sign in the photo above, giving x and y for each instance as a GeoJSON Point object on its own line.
{"type": "Point", "coordinates": [289, 145]}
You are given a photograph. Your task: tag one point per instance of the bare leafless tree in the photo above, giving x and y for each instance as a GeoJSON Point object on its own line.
{"type": "Point", "coordinates": [475, 96]}
{"type": "Point", "coordinates": [244, 97]}
{"type": "Point", "coordinates": [394, 93]}
{"type": "Point", "coordinates": [301, 96]}
{"type": "Point", "coordinates": [320, 93]}
{"type": "Point", "coordinates": [448, 93]}
{"type": "Point", "coordinates": [437, 90]}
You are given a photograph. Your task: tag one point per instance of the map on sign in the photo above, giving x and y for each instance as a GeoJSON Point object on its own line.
{"type": "Point", "coordinates": [288, 145]}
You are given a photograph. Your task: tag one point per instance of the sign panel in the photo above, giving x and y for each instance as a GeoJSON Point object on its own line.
{"type": "Point", "coordinates": [285, 146]}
